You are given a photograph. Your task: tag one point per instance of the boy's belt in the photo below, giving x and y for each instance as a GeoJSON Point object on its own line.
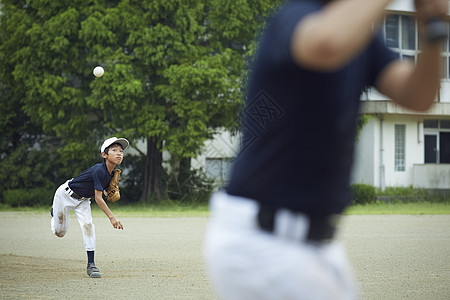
{"type": "Point", "coordinates": [75, 195]}
{"type": "Point", "coordinates": [321, 229]}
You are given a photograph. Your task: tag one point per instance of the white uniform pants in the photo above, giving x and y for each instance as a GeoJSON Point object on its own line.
{"type": "Point", "coordinates": [245, 262]}
{"type": "Point", "coordinates": [63, 203]}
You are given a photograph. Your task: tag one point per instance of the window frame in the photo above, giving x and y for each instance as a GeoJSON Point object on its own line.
{"type": "Point", "coordinates": [405, 53]}
{"type": "Point", "coordinates": [399, 147]}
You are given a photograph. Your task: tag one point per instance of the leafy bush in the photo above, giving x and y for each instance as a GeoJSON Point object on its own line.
{"type": "Point", "coordinates": [410, 194]}
{"type": "Point", "coordinates": [192, 187]}
{"type": "Point", "coordinates": [402, 191]}
{"type": "Point", "coordinates": [363, 194]}
{"type": "Point", "coordinates": [41, 196]}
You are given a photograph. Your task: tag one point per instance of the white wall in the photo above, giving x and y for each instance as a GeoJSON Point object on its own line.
{"type": "Point", "coordinates": [444, 92]}
{"type": "Point", "coordinates": [402, 5]}
{"type": "Point", "coordinates": [366, 162]}
{"type": "Point", "coordinates": [433, 176]}
{"type": "Point", "coordinates": [377, 143]}
{"type": "Point", "coordinates": [223, 145]}
{"type": "Point", "coordinates": [414, 151]}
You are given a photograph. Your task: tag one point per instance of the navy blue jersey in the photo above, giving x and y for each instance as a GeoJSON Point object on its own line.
{"type": "Point", "coordinates": [96, 177]}
{"type": "Point", "coordinates": [299, 124]}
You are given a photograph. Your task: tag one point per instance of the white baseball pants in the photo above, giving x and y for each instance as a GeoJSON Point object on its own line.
{"type": "Point", "coordinates": [63, 203]}
{"type": "Point", "coordinates": [245, 262]}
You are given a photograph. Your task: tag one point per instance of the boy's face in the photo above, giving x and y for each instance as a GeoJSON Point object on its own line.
{"type": "Point", "coordinates": [115, 154]}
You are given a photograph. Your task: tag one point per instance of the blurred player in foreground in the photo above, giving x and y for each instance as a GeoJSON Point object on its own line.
{"type": "Point", "coordinates": [271, 231]}
{"type": "Point", "coordinates": [75, 194]}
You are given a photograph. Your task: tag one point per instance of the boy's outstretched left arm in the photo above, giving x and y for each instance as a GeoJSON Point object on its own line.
{"type": "Point", "coordinates": [102, 204]}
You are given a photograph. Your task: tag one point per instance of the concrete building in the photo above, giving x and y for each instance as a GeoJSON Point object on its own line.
{"type": "Point", "coordinates": [401, 148]}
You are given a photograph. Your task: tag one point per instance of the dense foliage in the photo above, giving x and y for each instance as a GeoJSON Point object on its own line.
{"type": "Point", "coordinates": [363, 194]}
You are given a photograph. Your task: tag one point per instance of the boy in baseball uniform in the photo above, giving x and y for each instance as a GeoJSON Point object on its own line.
{"type": "Point", "coordinates": [271, 233]}
{"type": "Point", "coordinates": [76, 194]}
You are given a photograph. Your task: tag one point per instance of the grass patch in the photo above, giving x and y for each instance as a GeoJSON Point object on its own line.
{"type": "Point", "coordinates": [173, 210]}
{"type": "Point", "coordinates": [35, 209]}
{"type": "Point", "coordinates": [402, 191]}
{"type": "Point", "coordinates": [166, 209]}
{"type": "Point", "coordinates": [400, 208]}
{"type": "Point", "coordinates": [162, 210]}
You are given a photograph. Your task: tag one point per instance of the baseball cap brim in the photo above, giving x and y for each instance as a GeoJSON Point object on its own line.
{"type": "Point", "coordinates": [123, 142]}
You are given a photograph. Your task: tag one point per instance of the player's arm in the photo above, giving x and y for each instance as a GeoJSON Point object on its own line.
{"type": "Point", "coordinates": [415, 87]}
{"type": "Point", "coordinates": [326, 40]}
{"type": "Point", "coordinates": [104, 207]}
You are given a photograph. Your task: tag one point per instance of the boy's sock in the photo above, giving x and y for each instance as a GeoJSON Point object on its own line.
{"type": "Point", "coordinates": [90, 255]}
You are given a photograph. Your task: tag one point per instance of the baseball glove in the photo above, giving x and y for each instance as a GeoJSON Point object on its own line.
{"type": "Point", "coordinates": [113, 193]}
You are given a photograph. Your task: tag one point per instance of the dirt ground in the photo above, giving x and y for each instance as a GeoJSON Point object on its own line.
{"type": "Point", "coordinates": [394, 257]}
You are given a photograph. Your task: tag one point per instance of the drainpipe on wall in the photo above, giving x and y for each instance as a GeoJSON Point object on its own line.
{"type": "Point", "coordinates": [419, 132]}
{"type": "Point", "coordinates": [382, 174]}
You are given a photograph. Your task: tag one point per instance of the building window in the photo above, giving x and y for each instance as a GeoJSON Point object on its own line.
{"type": "Point", "coordinates": [400, 147]}
{"type": "Point", "coordinates": [401, 34]}
{"type": "Point", "coordinates": [391, 34]}
{"type": "Point", "coordinates": [218, 168]}
{"type": "Point", "coordinates": [437, 141]}
{"type": "Point", "coordinates": [408, 32]}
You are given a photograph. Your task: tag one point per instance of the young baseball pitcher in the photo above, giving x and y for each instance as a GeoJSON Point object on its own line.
{"type": "Point", "coordinates": [76, 194]}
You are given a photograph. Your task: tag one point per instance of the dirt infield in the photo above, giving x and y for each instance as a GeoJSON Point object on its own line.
{"type": "Point", "coordinates": [394, 257]}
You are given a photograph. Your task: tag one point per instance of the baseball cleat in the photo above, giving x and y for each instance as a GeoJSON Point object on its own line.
{"type": "Point", "coordinates": [93, 271]}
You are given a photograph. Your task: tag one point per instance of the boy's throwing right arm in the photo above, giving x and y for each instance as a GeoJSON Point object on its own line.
{"type": "Point", "coordinates": [415, 86]}
{"type": "Point", "coordinates": [104, 207]}
{"type": "Point", "coordinates": [328, 39]}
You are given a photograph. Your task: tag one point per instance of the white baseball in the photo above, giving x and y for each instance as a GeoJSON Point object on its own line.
{"type": "Point", "coordinates": [98, 71]}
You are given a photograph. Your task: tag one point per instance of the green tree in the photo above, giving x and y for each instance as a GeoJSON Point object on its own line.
{"type": "Point", "coordinates": [26, 156]}
{"type": "Point", "coordinates": [172, 73]}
